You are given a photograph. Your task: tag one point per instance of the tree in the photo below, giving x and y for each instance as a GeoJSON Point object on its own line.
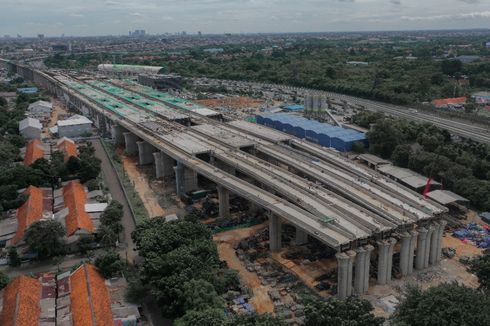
{"type": "Point", "coordinates": [174, 254]}
{"type": "Point", "coordinates": [350, 312]}
{"type": "Point", "coordinates": [201, 295]}
{"type": "Point", "coordinates": [206, 317]}
{"type": "Point", "coordinates": [255, 320]}
{"type": "Point", "coordinates": [112, 216]}
{"type": "Point", "coordinates": [384, 137]}
{"type": "Point", "coordinates": [401, 155]}
{"type": "Point", "coordinates": [45, 238]}
{"type": "Point", "coordinates": [4, 280]}
{"type": "Point", "coordinates": [450, 67]}
{"type": "Point", "coordinates": [109, 264]}
{"type": "Point", "coordinates": [446, 304]}
{"type": "Point", "coordinates": [14, 259]}
{"type": "Point", "coordinates": [480, 266]}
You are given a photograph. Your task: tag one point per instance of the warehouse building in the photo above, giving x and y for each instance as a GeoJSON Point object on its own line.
{"type": "Point", "coordinates": [30, 128]}
{"type": "Point", "coordinates": [320, 133]}
{"type": "Point", "coordinates": [75, 126]}
{"type": "Point", "coordinates": [40, 108]}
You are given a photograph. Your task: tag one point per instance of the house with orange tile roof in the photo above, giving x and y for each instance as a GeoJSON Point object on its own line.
{"type": "Point", "coordinates": [34, 151]}
{"type": "Point", "coordinates": [37, 207]}
{"type": "Point", "coordinates": [85, 299]}
{"type": "Point", "coordinates": [74, 216]}
{"type": "Point", "coordinates": [78, 298]}
{"type": "Point", "coordinates": [20, 304]}
{"type": "Point", "coordinates": [67, 147]}
{"type": "Point", "coordinates": [449, 102]}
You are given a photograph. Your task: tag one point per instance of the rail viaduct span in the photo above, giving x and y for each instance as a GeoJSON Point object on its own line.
{"type": "Point", "coordinates": [351, 209]}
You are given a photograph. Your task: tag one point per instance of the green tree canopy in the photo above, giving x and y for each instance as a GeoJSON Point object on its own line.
{"type": "Point", "coordinates": [45, 238]}
{"type": "Point", "coordinates": [480, 266]}
{"type": "Point", "coordinates": [446, 304]}
{"type": "Point", "coordinates": [109, 264]}
{"type": "Point", "coordinates": [4, 280]}
{"type": "Point", "coordinates": [350, 312]}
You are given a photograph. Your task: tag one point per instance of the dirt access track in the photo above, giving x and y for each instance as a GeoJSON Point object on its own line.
{"type": "Point", "coordinates": [226, 242]}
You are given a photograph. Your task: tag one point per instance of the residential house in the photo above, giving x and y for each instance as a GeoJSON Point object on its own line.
{"type": "Point", "coordinates": [30, 128]}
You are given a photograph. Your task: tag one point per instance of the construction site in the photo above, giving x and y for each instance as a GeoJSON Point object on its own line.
{"type": "Point", "coordinates": [293, 217]}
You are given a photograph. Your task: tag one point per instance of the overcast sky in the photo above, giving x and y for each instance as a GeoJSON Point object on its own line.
{"type": "Point", "coordinates": [117, 17]}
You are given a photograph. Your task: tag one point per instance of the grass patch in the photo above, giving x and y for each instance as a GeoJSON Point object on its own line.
{"type": "Point", "coordinates": [140, 212]}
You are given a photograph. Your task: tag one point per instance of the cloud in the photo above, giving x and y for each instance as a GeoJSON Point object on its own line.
{"type": "Point", "coordinates": [395, 2]}
{"type": "Point", "coordinates": [470, 15]}
{"type": "Point", "coordinates": [470, 1]}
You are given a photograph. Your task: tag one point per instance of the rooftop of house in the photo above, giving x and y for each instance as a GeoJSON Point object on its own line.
{"type": "Point", "coordinates": [31, 211]}
{"type": "Point", "coordinates": [90, 298]}
{"type": "Point", "coordinates": [68, 147]}
{"type": "Point", "coordinates": [75, 198]}
{"type": "Point", "coordinates": [21, 302]}
{"type": "Point", "coordinates": [34, 151]}
{"type": "Point", "coordinates": [30, 122]}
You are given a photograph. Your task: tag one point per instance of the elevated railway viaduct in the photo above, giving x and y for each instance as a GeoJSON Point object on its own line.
{"type": "Point", "coordinates": [360, 214]}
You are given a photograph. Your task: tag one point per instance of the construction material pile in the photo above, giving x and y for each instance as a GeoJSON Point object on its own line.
{"type": "Point", "coordinates": [475, 234]}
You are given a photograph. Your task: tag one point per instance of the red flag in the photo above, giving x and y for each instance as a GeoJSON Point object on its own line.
{"type": "Point", "coordinates": [427, 187]}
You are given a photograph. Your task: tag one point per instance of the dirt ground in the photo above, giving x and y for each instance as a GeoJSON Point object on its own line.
{"type": "Point", "coordinates": [226, 242]}
{"type": "Point", "coordinates": [307, 272]}
{"type": "Point", "coordinates": [58, 110]}
{"type": "Point", "coordinates": [241, 102]}
{"type": "Point", "coordinates": [141, 185]}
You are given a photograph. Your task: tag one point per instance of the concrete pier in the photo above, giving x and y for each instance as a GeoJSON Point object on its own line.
{"type": "Point", "coordinates": [360, 270]}
{"type": "Point", "coordinates": [185, 179]}
{"type": "Point", "coordinates": [420, 257]}
{"type": "Point", "coordinates": [224, 202]}
{"type": "Point", "coordinates": [434, 244]}
{"type": "Point", "coordinates": [274, 232]}
{"type": "Point", "coordinates": [342, 274]}
{"type": "Point", "coordinates": [301, 237]}
{"type": "Point", "coordinates": [145, 153]}
{"type": "Point", "coordinates": [164, 165]}
{"type": "Point", "coordinates": [367, 266]}
{"type": "Point", "coordinates": [117, 133]}
{"type": "Point", "coordinates": [130, 140]}
{"type": "Point", "coordinates": [389, 264]}
{"type": "Point", "coordinates": [413, 243]}
{"type": "Point", "coordinates": [405, 238]}
{"type": "Point", "coordinates": [383, 250]}
{"type": "Point", "coordinates": [352, 257]}
{"type": "Point", "coordinates": [427, 245]}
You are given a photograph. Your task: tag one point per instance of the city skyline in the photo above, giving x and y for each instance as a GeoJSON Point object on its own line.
{"type": "Point", "coordinates": [117, 17]}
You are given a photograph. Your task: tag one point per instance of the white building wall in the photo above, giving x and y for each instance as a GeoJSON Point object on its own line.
{"type": "Point", "coordinates": [31, 133]}
{"type": "Point", "coordinates": [74, 130]}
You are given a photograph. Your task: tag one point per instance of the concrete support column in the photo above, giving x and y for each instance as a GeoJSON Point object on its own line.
{"type": "Point", "coordinates": [130, 140]}
{"type": "Point", "coordinates": [224, 202]}
{"type": "Point", "coordinates": [185, 179]}
{"type": "Point", "coordinates": [439, 243]}
{"type": "Point", "coordinates": [352, 257]}
{"type": "Point", "coordinates": [389, 265]}
{"type": "Point", "coordinates": [383, 249]}
{"type": "Point", "coordinates": [301, 237]}
{"type": "Point", "coordinates": [145, 153]}
{"type": "Point", "coordinates": [274, 232]}
{"type": "Point", "coordinates": [367, 266]}
{"type": "Point", "coordinates": [434, 244]}
{"type": "Point", "coordinates": [360, 270]}
{"type": "Point", "coordinates": [405, 238]}
{"type": "Point", "coordinates": [342, 274]}
{"type": "Point", "coordinates": [420, 257]}
{"type": "Point", "coordinates": [117, 134]}
{"type": "Point", "coordinates": [413, 243]}
{"type": "Point", "coordinates": [164, 165]}
{"type": "Point", "coordinates": [427, 245]}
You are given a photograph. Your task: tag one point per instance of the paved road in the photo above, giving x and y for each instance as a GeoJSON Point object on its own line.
{"type": "Point", "coordinates": [112, 182]}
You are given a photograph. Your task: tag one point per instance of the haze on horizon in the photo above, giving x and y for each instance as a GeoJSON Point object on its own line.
{"type": "Point", "coordinates": [117, 17]}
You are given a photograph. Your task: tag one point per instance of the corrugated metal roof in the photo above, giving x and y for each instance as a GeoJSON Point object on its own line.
{"type": "Point", "coordinates": [315, 126]}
